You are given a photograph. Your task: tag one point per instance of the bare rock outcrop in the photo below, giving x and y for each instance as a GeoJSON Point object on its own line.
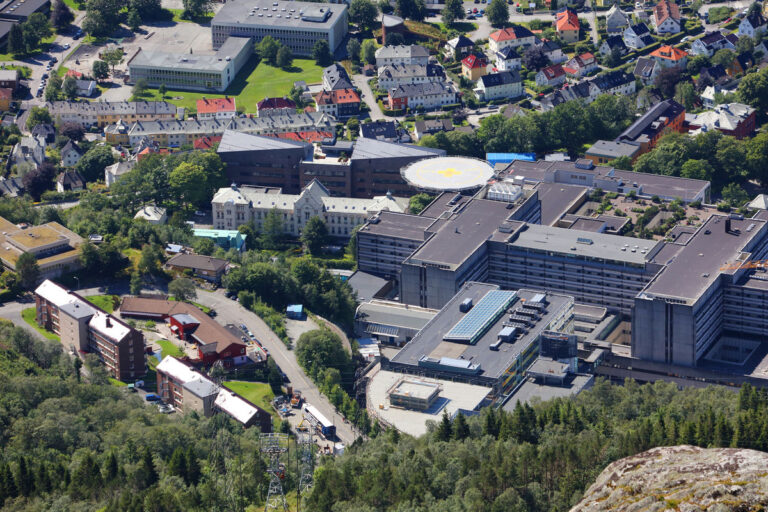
{"type": "Point", "coordinates": [683, 478]}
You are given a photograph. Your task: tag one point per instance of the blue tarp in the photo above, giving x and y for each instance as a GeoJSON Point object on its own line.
{"type": "Point", "coordinates": [507, 158]}
{"type": "Point", "coordinates": [294, 311]}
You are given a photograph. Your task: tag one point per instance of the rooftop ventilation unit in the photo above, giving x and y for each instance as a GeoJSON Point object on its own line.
{"type": "Point", "coordinates": [465, 305]}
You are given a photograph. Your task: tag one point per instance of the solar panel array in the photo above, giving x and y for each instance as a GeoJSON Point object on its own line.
{"type": "Point", "coordinates": [486, 311]}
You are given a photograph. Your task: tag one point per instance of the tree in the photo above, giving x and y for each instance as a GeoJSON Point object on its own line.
{"type": "Point", "coordinates": [685, 94]}
{"type": "Point", "coordinates": [194, 9]}
{"type": "Point", "coordinates": [418, 202]}
{"type": "Point", "coordinates": [35, 29]}
{"type": "Point", "coordinates": [697, 169]}
{"type": "Point", "coordinates": [753, 90]}
{"type": "Point", "coordinates": [162, 91]}
{"type": "Point", "coordinates": [353, 49]}
{"type": "Point", "coordinates": [92, 164]}
{"type": "Point", "coordinates": [412, 9]}
{"type": "Point", "coordinates": [757, 157]}
{"type": "Point", "coordinates": [151, 259]}
{"type": "Point", "coordinates": [666, 81]}
{"type": "Point", "coordinates": [204, 246]}
{"type": "Point", "coordinates": [498, 13]}
{"type": "Point", "coordinates": [102, 17]}
{"type": "Point", "coordinates": [321, 53]}
{"type": "Point", "coordinates": [534, 58]}
{"type": "Point", "coordinates": [272, 232]}
{"type": "Point", "coordinates": [16, 40]}
{"type": "Point", "coordinates": [140, 87]}
{"type": "Point", "coordinates": [146, 9]}
{"type": "Point", "coordinates": [38, 115]}
{"type": "Point", "coordinates": [177, 466]}
{"type": "Point", "coordinates": [133, 20]}
{"type": "Point", "coordinates": [353, 128]}
{"type": "Point", "coordinates": [89, 256]}
{"type": "Point", "coordinates": [39, 180]}
{"type": "Point", "coordinates": [284, 57]}
{"type": "Point", "coordinates": [28, 269]}
{"type": "Point", "coordinates": [453, 10]}
{"type": "Point", "coordinates": [113, 57]}
{"type": "Point", "coordinates": [698, 62]}
{"type": "Point", "coordinates": [363, 13]}
{"type": "Point", "coordinates": [314, 235]}
{"type": "Point", "coordinates": [100, 70]}
{"type": "Point", "coordinates": [53, 89]}
{"type": "Point", "coordinates": [61, 15]}
{"type": "Point", "coordinates": [267, 50]}
{"type": "Point", "coordinates": [724, 57]}
{"type": "Point", "coordinates": [368, 51]}
{"type": "Point", "coordinates": [69, 88]}
{"type": "Point", "coordinates": [146, 473]}
{"type": "Point", "coordinates": [444, 428]}
{"type": "Point", "coordinates": [185, 181]}
{"type": "Point", "coordinates": [460, 427]}
{"type": "Point", "coordinates": [734, 195]}
{"type": "Point", "coordinates": [136, 283]}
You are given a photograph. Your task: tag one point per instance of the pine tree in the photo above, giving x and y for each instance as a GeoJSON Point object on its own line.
{"type": "Point", "coordinates": [460, 427]}
{"type": "Point", "coordinates": [178, 464]}
{"type": "Point", "coordinates": [16, 40]}
{"type": "Point", "coordinates": [491, 423]}
{"type": "Point", "coordinates": [745, 396]}
{"type": "Point", "coordinates": [148, 473]}
{"type": "Point", "coordinates": [193, 467]}
{"type": "Point", "coordinates": [111, 468]}
{"type": "Point", "coordinates": [8, 487]}
{"type": "Point", "coordinates": [24, 479]}
{"type": "Point", "coordinates": [444, 429]}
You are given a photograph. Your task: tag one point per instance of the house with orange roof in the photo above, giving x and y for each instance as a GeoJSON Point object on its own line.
{"type": "Point", "coordinates": [553, 75]}
{"type": "Point", "coordinates": [666, 18]}
{"type": "Point", "coordinates": [513, 36]}
{"type": "Point", "coordinates": [474, 66]}
{"type": "Point", "coordinates": [216, 108]}
{"type": "Point", "coordinates": [206, 142]}
{"type": "Point", "coordinates": [670, 57]}
{"type": "Point", "coordinates": [339, 102]}
{"type": "Point", "coordinates": [581, 65]}
{"type": "Point", "coordinates": [567, 25]}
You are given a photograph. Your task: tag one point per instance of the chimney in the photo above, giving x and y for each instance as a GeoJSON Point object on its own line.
{"type": "Point", "coordinates": [109, 322]}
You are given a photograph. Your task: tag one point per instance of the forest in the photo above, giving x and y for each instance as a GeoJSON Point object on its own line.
{"type": "Point", "coordinates": [71, 445]}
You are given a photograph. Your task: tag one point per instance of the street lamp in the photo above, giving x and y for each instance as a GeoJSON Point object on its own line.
{"type": "Point", "coordinates": [78, 281]}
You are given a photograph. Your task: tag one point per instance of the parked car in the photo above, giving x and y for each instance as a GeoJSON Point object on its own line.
{"type": "Point", "coordinates": [151, 397]}
{"type": "Point", "coordinates": [45, 76]}
{"type": "Point", "coordinates": [66, 46]}
{"type": "Point", "coordinates": [474, 10]}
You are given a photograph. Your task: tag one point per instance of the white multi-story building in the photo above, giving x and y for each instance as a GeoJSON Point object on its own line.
{"type": "Point", "coordinates": [508, 59]}
{"type": "Point", "coordinates": [506, 84]}
{"type": "Point", "coordinates": [402, 54]}
{"type": "Point", "coordinates": [427, 96]}
{"type": "Point", "coordinates": [234, 206]}
{"type": "Point", "coordinates": [297, 25]}
{"type": "Point", "coordinates": [514, 36]}
{"type": "Point", "coordinates": [402, 74]}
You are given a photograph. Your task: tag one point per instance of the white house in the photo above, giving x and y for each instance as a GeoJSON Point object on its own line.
{"type": "Point", "coordinates": [613, 43]}
{"type": "Point", "coordinates": [402, 54]}
{"type": "Point", "coordinates": [508, 59]}
{"type": "Point", "coordinates": [553, 52]}
{"type": "Point", "coordinates": [152, 214]}
{"type": "Point", "coordinates": [711, 42]}
{"type": "Point", "coordinates": [426, 96]}
{"type": "Point", "coordinates": [580, 65]}
{"type": "Point", "coordinates": [666, 18]}
{"type": "Point", "coordinates": [506, 84]}
{"type": "Point", "coordinates": [637, 36]}
{"type": "Point", "coordinates": [753, 24]}
{"type": "Point", "coordinates": [71, 154]}
{"type": "Point", "coordinates": [400, 74]}
{"type": "Point", "coordinates": [69, 181]}
{"type": "Point", "coordinates": [85, 88]}
{"type": "Point", "coordinates": [553, 75]}
{"type": "Point", "coordinates": [615, 82]}
{"type": "Point", "coordinates": [514, 36]}
{"type": "Point", "coordinates": [615, 20]}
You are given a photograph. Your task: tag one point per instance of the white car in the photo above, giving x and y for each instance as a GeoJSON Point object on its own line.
{"type": "Point", "coordinates": [66, 46]}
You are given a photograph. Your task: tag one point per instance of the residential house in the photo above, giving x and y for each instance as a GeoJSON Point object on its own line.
{"type": "Point", "coordinates": [206, 267]}
{"type": "Point", "coordinates": [336, 77]}
{"type": "Point", "coordinates": [616, 82]}
{"type": "Point", "coordinates": [662, 118]}
{"type": "Point", "coordinates": [670, 57]}
{"type": "Point", "coordinates": [183, 387]}
{"type": "Point", "coordinates": [275, 106]}
{"type": "Point", "coordinates": [474, 66]}
{"type": "Point", "coordinates": [6, 97]}
{"type": "Point", "coordinates": [611, 44]}
{"type": "Point", "coordinates": [740, 64]}
{"type": "Point", "coordinates": [666, 18]}
{"type": "Point", "coordinates": [69, 181]}
{"type": "Point", "coordinates": [431, 127]}
{"type": "Point", "coordinates": [553, 52]}
{"type": "Point", "coordinates": [715, 74]}
{"type": "Point", "coordinates": [216, 108]}
{"type": "Point", "coordinates": [459, 47]}
{"type": "Point", "coordinates": [46, 131]}
{"type": "Point", "coordinates": [29, 152]}
{"type": "Point", "coordinates": [380, 130]}
{"type": "Point", "coordinates": [585, 91]}
{"type": "Point", "coordinates": [71, 154]}
{"type": "Point", "coordinates": [616, 20]}
{"type": "Point", "coordinates": [760, 51]}
{"type": "Point", "coordinates": [85, 328]}
{"type": "Point", "coordinates": [9, 79]}
{"type": "Point", "coordinates": [399, 74]}
{"type": "Point", "coordinates": [153, 214]}
{"type": "Point", "coordinates": [710, 43]}
{"type": "Point", "coordinates": [753, 24]}
{"type": "Point", "coordinates": [245, 412]}
{"type": "Point", "coordinates": [567, 25]}
{"type": "Point", "coordinates": [734, 119]}
{"type": "Point", "coordinates": [338, 102]}
{"type": "Point", "coordinates": [402, 54]}
{"type": "Point", "coordinates": [514, 36]}
{"type": "Point", "coordinates": [505, 84]}
{"type": "Point", "coordinates": [580, 65]}
{"type": "Point", "coordinates": [637, 36]}
{"type": "Point", "coordinates": [508, 59]}
{"type": "Point", "coordinates": [11, 187]}
{"type": "Point", "coordinates": [112, 173]}
{"type": "Point", "coordinates": [553, 76]}
{"type": "Point", "coordinates": [85, 88]}
{"type": "Point", "coordinates": [104, 113]}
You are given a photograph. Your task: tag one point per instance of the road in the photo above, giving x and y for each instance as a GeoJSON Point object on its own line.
{"type": "Point", "coordinates": [361, 82]}
{"type": "Point", "coordinates": [229, 311]}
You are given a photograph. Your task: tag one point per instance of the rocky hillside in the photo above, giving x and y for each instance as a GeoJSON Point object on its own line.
{"type": "Point", "coordinates": [684, 478]}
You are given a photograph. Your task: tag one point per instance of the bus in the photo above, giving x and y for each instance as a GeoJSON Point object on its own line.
{"type": "Point", "coordinates": [317, 420]}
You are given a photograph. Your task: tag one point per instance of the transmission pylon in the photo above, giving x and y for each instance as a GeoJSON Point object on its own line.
{"type": "Point", "coordinates": [305, 453]}
{"type": "Point", "coordinates": [274, 446]}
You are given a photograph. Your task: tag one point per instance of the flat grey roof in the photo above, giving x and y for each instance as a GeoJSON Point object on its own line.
{"type": "Point", "coordinates": [399, 225]}
{"type": "Point", "coordinates": [613, 149]}
{"type": "Point", "coordinates": [700, 262]}
{"type": "Point", "coordinates": [577, 243]}
{"type": "Point", "coordinates": [441, 204]}
{"type": "Point", "coordinates": [375, 149]}
{"type": "Point", "coordinates": [366, 285]}
{"type": "Point", "coordinates": [429, 341]}
{"type": "Point", "coordinates": [660, 185]}
{"type": "Point", "coordinates": [532, 390]}
{"type": "Point", "coordinates": [556, 200]}
{"type": "Point", "coordinates": [194, 61]}
{"type": "Point", "coordinates": [394, 313]}
{"type": "Point", "coordinates": [233, 141]}
{"type": "Point", "coordinates": [458, 237]}
{"type": "Point", "coordinates": [22, 9]}
{"type": "Point", "coordinates": [588, 224]}
{"type": "Point", "coordinates": [286, 14]}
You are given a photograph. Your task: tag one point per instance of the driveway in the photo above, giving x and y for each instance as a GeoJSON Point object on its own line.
{"type": "Point", "coordinates": [229, 311]}
{"type": "Point", "coordinates": [361, 82]}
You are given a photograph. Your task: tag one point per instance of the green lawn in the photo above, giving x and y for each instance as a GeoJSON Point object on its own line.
{"type": "Point", "coordinates": [72, 4]}
{"type": "Point", "coordinates": [258, 393]}
{"type": "Point", "coordinates": [200, 21]}
{"type": "Point", "coordinates": [251, 86]}
{"type": "Point", "coordinates": [117, 383]}
{"type": "Point", "coordinates": [28, 315]}
{"type": "Point", "coordinates": [105, 302]}
{"type": "Point", "coordinates": [170, 349]}
{"type": "Point", "coordinates": [204, 309]}
{"type": "Point", "coordinates": [44, 44]}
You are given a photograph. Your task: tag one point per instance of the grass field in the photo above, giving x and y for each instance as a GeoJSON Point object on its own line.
{"type": "Point", "coordinates": [258, 393]}
{"type": "Point", "coordinates": [44, 44]}
{"type": "Point", "coordinates": [252, 85]}
{"type": "Point", "coordinates": [117, 383]}
{"type": "Point", "coordinates": [200, 21]}
{"type": "Point", "coordinates": [105, 302]}
{"type": "Point", "coordinates": [204, 309]}
{"type": "Point", "coordinates": [169, 349]}
{"type": "Point", "coordinates": [28, 315]}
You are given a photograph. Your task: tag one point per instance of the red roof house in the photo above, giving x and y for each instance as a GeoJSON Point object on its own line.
{"type": "Point", "coordinates": [275, 104]}
{"type": "Point", "coordinates": [216, 108]}
{"type": "Point", "coordinates": [567, 26]}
